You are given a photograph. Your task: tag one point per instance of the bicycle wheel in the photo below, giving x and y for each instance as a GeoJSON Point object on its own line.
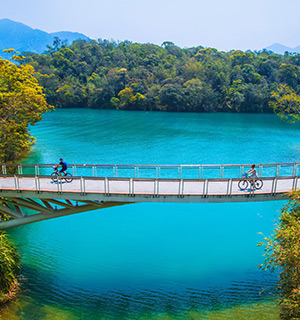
{"type": "Point", "coordinates": [68, 177]}
{"type": "Point", "coordinates": [258, 184]}
{"type": "Point", "coordinates": [243, 184]}
{"type": "Point", "coordinates": [54, 176]}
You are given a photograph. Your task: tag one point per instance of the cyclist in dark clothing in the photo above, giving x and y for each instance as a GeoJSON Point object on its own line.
{"type": "Point", "coordinates": [63, 166]}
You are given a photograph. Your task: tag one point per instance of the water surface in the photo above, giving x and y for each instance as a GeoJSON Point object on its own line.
{"type": "Point", "coordinates": [158, 260]}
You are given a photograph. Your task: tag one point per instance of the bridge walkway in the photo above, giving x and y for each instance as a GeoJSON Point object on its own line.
{"type": "Point", "coordinates": [28, 187]}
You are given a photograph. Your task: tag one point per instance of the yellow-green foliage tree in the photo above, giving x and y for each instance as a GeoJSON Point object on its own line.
{"type": "Point", "coordinates": [286, 103]}
{"type": "Point", "coordinates": [128, 100]}
{"type": "Point", "coordinates": [283, 252]}
{"type": "Point", "coordinates": [22, 103]}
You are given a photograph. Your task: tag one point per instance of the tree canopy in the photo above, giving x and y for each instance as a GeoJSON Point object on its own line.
{"type": "Point", "coordinates": [9, 268]}
{"type": "Point", "coordinates": [286, 103]}
{"type": "Point", "coordinates": [94, 74]}
{"type": "Point", "coordinates": [283, 252]}
{"type": "Point", "coordinates": [22, 103]}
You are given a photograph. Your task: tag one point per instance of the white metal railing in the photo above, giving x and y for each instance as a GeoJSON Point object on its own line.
{"type": "Point", "coordinates": [145, 186]}
{"type": "Point", "coordinates": [223, 171]}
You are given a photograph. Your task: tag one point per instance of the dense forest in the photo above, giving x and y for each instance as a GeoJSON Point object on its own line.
{"type": "Point", "coordinates": [109, 75]}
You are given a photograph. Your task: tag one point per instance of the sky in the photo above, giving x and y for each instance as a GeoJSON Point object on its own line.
{"type": "Point", "coordinates": [221, 24]}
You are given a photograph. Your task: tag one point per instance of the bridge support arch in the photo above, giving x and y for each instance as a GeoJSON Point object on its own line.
{"type": "Point", "coordinates": [16, 209]}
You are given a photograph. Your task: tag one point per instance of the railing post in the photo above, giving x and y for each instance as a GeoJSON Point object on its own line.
{"type": "Point", "coordinates": [220, 173]}
{"type": "Point", "coordinates": [17, 183]}
{"type": "Point", "coordinates": [106, 186]}
{"type": "Point", "coordinates": [37, 184]}
{"type": "Point", "coordinates": [294, 170]}
{"type": "Point", "coordinates": [132, 187]}
{"type": "Point", "coordinates": [180, 188]}
{"type": "Point", "coordinates": [277, 170]}
{"type": "Point", "coordinates": [206, 193]}
{"type": "Point", "coordinates": [274, 186]}
{"type": "Point", "coordinates": [82, 186]}
{"type": "Point", "coordinates": [295, 182]}
{"type": "Point", "coordinates": [229, 187]}
{"type": "Point", "coordinates": [59, 184]}
{"type": "Point", "coordinates": [4, 169]}
{"type": "Point", "coordinates": [205, 188]}
{"type": "Point", "coordinates": [130, 191]}
{"type": "Point", "coordinates": [156, 188]}
{"type": "Point", "coordinates": [129, 187]}
{"type": "Point", "coordinates": [251, 186]}
{"type": "Point", "coordinates": [260, 171]}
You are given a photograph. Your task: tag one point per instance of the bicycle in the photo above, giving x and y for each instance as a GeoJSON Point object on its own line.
{"type": "Point", "coordinates": [55, 176]}
{"type": "Point", "coordinates": [254, 183]}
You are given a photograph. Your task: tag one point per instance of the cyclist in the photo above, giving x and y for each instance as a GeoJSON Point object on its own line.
{"type": "Point", "coordinates": [63, 166]}
{"type": "Point", "coordinates": [252, 172]}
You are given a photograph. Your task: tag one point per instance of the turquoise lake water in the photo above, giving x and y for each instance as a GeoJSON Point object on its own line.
{"type": "Point", "coordinates": [158, 260]}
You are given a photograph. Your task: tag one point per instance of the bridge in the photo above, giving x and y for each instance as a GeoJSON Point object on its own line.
{"type": "Point", "coordinates": [28, 194]}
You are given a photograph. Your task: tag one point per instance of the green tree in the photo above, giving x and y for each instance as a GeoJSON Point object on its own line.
{"type": "Point", "coordinates": [9, 268]}
{"type": "Point", "coordinates": [172, 96]}
{"type": "Point", "coordinates": [129, 101]}
{"type": "Point", "coordinates": [22, 103]}
{"type": "Point", "coordinates": [194, 94]}
{"type": "Point", "coordinates": [286, 103]}
{"type": "Point", "coordinates": [115, 102]}
{"type": "Point", "coordinates": [282, 250]}
{"type": "Point", "coordinates": [126, 98]}
{"type": "Point", "coordinates": [236, 95]}
{"type": "Point", "coordinates": [289, 74]}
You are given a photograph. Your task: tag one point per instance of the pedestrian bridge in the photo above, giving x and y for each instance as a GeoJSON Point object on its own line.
{"type": "Point", "coordinates": [28, 194]}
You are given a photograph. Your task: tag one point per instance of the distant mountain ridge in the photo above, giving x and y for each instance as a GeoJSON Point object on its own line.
{"type": "Point", "coordinates": [21, 37]}
{"type": "Point", "coordinates": [281, 49]}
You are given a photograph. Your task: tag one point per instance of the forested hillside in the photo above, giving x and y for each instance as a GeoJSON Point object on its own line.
{"type": "Point", "coordinates": [130, 76]}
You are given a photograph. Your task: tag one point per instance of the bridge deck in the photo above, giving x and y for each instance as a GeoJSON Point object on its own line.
{"type": "Point", "coordinates": [30, 189]}
{"type": "Point", "coordinates": [145, 189]}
